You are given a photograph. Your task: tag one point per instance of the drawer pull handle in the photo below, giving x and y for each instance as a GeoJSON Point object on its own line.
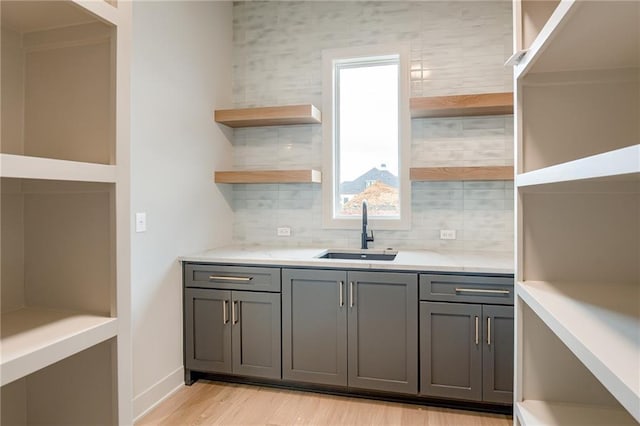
{"type": "Point", "coordinates": [480, 290]}
{"type": "Point", "coordinates": [225, 307]}
{"type": "Point", "coordinates": [234, 307]}
{"type": "Point", "coordinates": [489, 331]}
{"type": "Point", "coordinates": [476, 330]}
{"type": "Point", "coordinates": [341, 293]}
{"type": "Point", "coordinates": [351, 294]}
{"type": "Point", "coordinates": [218, 278]}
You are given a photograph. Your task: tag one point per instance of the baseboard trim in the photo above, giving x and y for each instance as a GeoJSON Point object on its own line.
{"type": "Point", "coordinates": [496, 408]}
{"type": "Point", "coordinates": [157, 393]}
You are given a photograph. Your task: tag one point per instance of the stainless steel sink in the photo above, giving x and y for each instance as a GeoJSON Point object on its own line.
{"type": "Point", "coordinates": [387, 255]}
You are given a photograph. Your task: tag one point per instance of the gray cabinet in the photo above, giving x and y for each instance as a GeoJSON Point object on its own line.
{"type": "Point", "coordinates": [466, 349]}
{"type": "Point", "coordinates": [314, 326]}
{"type": "Point", "coordinates": [351, 328]}
{"type": "Point", "coordinates": [207, 330]}
{"type": "Point", "coordinates": [231, 331]}
{"type": "Point", "coordinates": [365, 330]}
{"type": "Point", "coordinates": [255, 334]}
{"type": "Point", "coordinates": [383, 331]}
{"type": "Point", "coordinates": [497, 354]}
{"type": "Point", "coordinates": [451, 350]}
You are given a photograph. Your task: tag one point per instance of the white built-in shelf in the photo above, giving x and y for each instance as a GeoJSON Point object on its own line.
{"type": "Point", "coordinates": [600, 324]}
{"type": "Point", "coordinates": [69, 160]}
{"type": "Point", "coordinates": [543, 40]}
{"type": "Point", "coordinates": [533, 15]}
{"type": "Point", "coordinates": [578, 189]}
{"type": "Point", "coordinates": [462, 105]}
{"type": "Point", "coordinates": [34, 338]}
{"type": "Point", "coordinates": [269, 116]}
{"type": "Point", "coordinates": [620, 165]}
{"type": "Point", "coordinates": [268, 176]}
{"type": "Point", "coordinates": [23, 166]}
{"type": "Point", "coordinates": [571, 41]}
{"type": "Point", "coordinates": [532, 412]}
{"type": "Point", "coordinates": [104, 9]}
{"type": "Point", "coordinates": [27, 16]}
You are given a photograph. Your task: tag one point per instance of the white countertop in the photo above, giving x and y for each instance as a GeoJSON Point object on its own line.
{"type": "Point", "coordinates": [406, 260]}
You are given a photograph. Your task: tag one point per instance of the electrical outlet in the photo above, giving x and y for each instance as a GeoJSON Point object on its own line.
{"type": "Point", "coordinates": [447, 234]}
{"type": "Point", "coordinates": [284, 231]}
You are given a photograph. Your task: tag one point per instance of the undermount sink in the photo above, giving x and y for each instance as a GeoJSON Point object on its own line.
{"type": "Point", "coordinates": [387, 255]}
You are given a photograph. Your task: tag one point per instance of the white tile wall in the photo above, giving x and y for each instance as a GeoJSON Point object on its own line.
{"type": "Point", "coordinates": [456, 47]}
{"type": "Point", "coordinates": [469, 141]}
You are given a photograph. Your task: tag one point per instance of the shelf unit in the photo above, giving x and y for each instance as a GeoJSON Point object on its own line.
{"type": "Point", "coordinates": [34, 338]}
{"type": "Point", "coordinates": [65, 314]}
{"type": "Point", "coordinates": [577, 96]}
{"type": "Point", "coordinates": [461, 173]}
{"type": "Point", "coordinates": [600, 328]}
{"type": "Point", "coordinates": [462, 105]}
{"type": "Point", "coordinates": [269, 176]}
{"type": "Point", "coordinates": [618, 165]}
{"type": "Point", "coordinates": [269, 116]}
{"type": "Point", "coordinates": [425, 107]}
{"type": "Point", "coordinates": [24, 166]}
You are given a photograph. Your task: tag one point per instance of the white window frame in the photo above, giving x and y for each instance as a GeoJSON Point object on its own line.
{"type": "Point", "coordinates": [329, 59]}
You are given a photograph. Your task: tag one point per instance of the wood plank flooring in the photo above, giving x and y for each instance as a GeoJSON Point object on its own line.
{"type": "Point", "coordinates": [216, 403]}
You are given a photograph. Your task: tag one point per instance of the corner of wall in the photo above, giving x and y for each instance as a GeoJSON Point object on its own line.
{"type": "Point", "coordinates": [181, 71]}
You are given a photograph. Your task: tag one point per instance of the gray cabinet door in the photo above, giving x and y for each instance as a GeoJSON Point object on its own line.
{"type": "Point", "coordinates": [497, 384]}
{"type": "Point", "coordinates": [451, 350]}
{"type": "Point", "coordinates": [383, 331]}
{"type": "Point", "coordinates": [255, 319]}
{"type": "Point", "coordinates": [207, 330]}
{"type": "Point", "coordinates": [314, 326]}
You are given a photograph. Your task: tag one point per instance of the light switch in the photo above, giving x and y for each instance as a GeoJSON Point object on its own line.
{"type": "Point", "coordinates": [141, 222]}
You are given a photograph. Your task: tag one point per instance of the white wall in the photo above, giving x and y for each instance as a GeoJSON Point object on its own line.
{"type": "Point", "coordinates": [181, 71]}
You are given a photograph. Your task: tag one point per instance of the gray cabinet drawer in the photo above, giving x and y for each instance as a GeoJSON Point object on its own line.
{"type": "Point", "coordinates": [232, 277]}
{"type": "Point", "coordinates": [466, 289]}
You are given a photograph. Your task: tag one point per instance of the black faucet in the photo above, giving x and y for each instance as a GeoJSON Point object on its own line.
{"type": "Point", "coordinates": [364, 237]}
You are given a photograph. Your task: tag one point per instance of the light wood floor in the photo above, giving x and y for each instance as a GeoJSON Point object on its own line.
{"type": "Point", "coordinates": [216, 403]}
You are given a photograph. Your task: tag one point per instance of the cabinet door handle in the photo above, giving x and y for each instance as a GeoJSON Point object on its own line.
{"type": "Point", "coordinates": [481, 290]}
{"type": "Point", "coordinates": [477, 321]}
{"type": "Point", "coordinates": [220, 278]}
{"type": "Point", "coordinates": [351, 294]}
{"type": "Point", "coordinates": [225, 307]}
{"type": "Point", "coordinates": [489, 331]}
{"type": "Point", "coordinates": [341, 291]}
{"type": "Point", "coordinates": [234, 308]}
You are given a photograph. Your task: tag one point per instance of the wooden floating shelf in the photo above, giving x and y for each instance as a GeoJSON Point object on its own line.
{"type": "Point", "coordinates": [269, 116]}
{"type": "Point", "coordinates": [461, 173]}
{"type": "Point", "coordinates": [462, 105]}
{"type": "Point", "coordinates": [269, 176]}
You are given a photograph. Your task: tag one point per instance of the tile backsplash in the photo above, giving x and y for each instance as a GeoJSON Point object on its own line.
{"type": "Point", "coordinates": [456, 47]}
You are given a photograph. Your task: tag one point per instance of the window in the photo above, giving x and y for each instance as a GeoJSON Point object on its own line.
{"type": "Point", "coordinates": [366, 137]}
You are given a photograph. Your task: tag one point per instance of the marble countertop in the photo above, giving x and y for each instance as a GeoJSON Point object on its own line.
{"type": "Point", "coordinates": [406, 260]}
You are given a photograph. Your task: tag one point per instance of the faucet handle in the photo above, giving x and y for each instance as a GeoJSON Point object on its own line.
{"type": "Point", "coordinates": [370, 238]}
